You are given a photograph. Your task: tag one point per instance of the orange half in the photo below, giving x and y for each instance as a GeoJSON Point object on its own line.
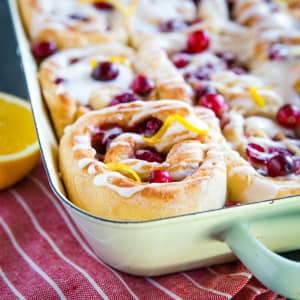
{"type": "Point", "coordinates": [19, 150]}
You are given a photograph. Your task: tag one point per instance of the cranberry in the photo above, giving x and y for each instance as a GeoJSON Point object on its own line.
{"type": "Point", "coordinates": [160, 176]}
{"type": "Point", "coordinates": [59, 80]}
{"type": "Point", "coordinates": [74, 60]}
{"type": "Point", "coordinates": [124, 98]}
{"type": "Point", "coordinates": [228, 57]}
{"type": "Point", "coordinates": [172, 25]}
{"type": "Point", "coordinates": [105, 71]}
{"type": "Point", "coordinates": [288, 116]}
{"type": "Point", "coordinates": [256, 154]}
{"type": "Point", "coordinates": [150, 155]}
{"type": "Point", "coordinates": [238, 70]}
{"type": "Point", "coordinates": [232, 203]}
{"type": "Point", "coordinates": [180, 60]}
{"type": "Point", "coordinates": [215, 102]}
{"type": "Point", "coordinates": [280, 165]}
{"type": "Point", "coordinates": [276, 150]}
{"type": "Point", "coordinates": [203, 89]}
{"type": "Point", "coordinates": [201, 73]}
{"type": "Point", "coordinates": [102, 137]}
{"type": "Point", "coordinates": [230, 6]}
{"type": "Point", "coordinates": [297, 165]}
{"type": "Point", "coordinates": [97, 142]}
{"type": "Point", "coordinates": [142, 85]}
{"type": "Point", "coordinates": [102, 5]}
{"type": "Point", "coordinates": [278, 52]}
{"type": "Point", "coordinates": [149, 126]}
{"type": "Point", "coordinates": [198, 41]}
{"type": "Point", "coordinates": [43, 49]}
{"type": "Point", "coordinates": [79, 17]}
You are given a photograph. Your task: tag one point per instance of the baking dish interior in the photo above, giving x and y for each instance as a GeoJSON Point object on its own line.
{"type": "Point", "coordinates": [48, 141]}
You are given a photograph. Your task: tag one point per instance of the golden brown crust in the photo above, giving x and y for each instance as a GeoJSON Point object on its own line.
{"type": "Point", "coordinates": [122, 198]}
{"type": "Point", "coordinates": [62, 107]}
{"type": "Point", "coordinates": [150, 60]}
{"type": "Point", "coordinates": [153, 60]}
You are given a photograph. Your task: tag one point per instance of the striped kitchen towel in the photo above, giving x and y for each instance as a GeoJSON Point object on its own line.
{"type": "Point", "coordinates": [44, 256]}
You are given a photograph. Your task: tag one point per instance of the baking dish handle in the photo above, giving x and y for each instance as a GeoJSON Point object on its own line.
{"type": "Point", "coordinates": [276, 272]}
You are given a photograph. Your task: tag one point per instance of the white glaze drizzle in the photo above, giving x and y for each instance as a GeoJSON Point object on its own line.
{"type": "Point", "coordinates": [150, 13]}
{"type": "Point", "coordinates": [78, 81]}
{"type": "Point", "coordinates": [55, 14]}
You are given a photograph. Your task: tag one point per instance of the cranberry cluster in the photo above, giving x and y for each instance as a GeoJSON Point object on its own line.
{"type": "Point", "coordinates": [277, 161]}
{"type": "Point", "coordinates": [273, 161]}
{"type": "Point", "coordinates": [141, 85]}
{"type": "Point", "coordinates": [205, 94]}
{"type": "Point", "coordinates": [104, 134]}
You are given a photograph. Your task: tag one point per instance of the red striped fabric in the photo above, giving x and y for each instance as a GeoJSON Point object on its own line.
{"type": "Point", "coordinates": [44, 256]}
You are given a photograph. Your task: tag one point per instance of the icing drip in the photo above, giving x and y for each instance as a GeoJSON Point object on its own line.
{"type": "Point", "coordinates": [127, 192]}
{"type": "Point", "coordinates": [77, 76]}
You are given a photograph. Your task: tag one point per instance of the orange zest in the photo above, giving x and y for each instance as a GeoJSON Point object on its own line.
{"type": "Point", "coordinates": [169, 121]}
{"type": "Point", "coordinates": [119, 59]}
{"type": "Point", "coordinates": [124, 168]}
{"type": "Point", "coordinates": [113, 59]}
{"type": "Point", "coordinates": [257, 97]}
{"type": "Point", "coordinates": [93, 63]}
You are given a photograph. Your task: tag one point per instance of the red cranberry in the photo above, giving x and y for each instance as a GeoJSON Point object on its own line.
{"type": "Point", "coordinates": [102, 137]}
{"type": "Point", "coordinates": [228, 57]}
{"type": "Point", "coordinates": [238, 70]}
{"type": "Point", "coordinates": [215, 102]}
{"type": "Point", "coordinates": [283, 151]}
{"type": "Point", "coordinates": [97, 142]}
{"type": "Point", "coordinates": [278, 52]}
{"type": "Point", "coordinates": [232, 203]}
{"type": "Point", "coordinates": [74, 60]}
{"type": "Point", "coordinates": [180, 60]}
{"type": "Point", "coordinates": [256, 154]}
{"type": "Point", "coordinates": [124, 98]}
{"type": "Point", "coordinates": [59, 80]}
{"type": "Point", "coordinates": [149, 126]}
{"type": "Point", "coordinates": [280, 165]}
{"type": "Point", "coordinates": [198, 41]}
{"type": "Point", "coordinates": [160, 176]}
{"type": "Point", "coordinates": [79, 17]}
{"type": "Point", "coordinates": [297, 165]}
{"type": "Point", "coordinates": [43, 49]}
{"type": "Point", "coordinates": [201, 73]}
{"type": "Point", "coordinates": [105, 71]}
{"type": "Point", "coordinates": [203, 89]}
{"type": "Point", "coordinates": [172, 25]}
{"type": "Point", "coordinates": [102, 5]}
{"type": "Point", "coordinates": [230, 6]}
{"type": "Point", "coordinates": [288, 116]}
{"type": "Point", "coordinates": [150, 155]}
{"type": "Point", "coordinates": [142, 85]}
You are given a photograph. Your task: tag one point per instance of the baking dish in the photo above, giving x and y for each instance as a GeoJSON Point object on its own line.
{"type": "Point", "coordinates": [183, 242]}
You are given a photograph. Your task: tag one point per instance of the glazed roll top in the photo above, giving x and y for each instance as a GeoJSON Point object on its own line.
{"type": "Point", "coordinates": [144, 160]}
